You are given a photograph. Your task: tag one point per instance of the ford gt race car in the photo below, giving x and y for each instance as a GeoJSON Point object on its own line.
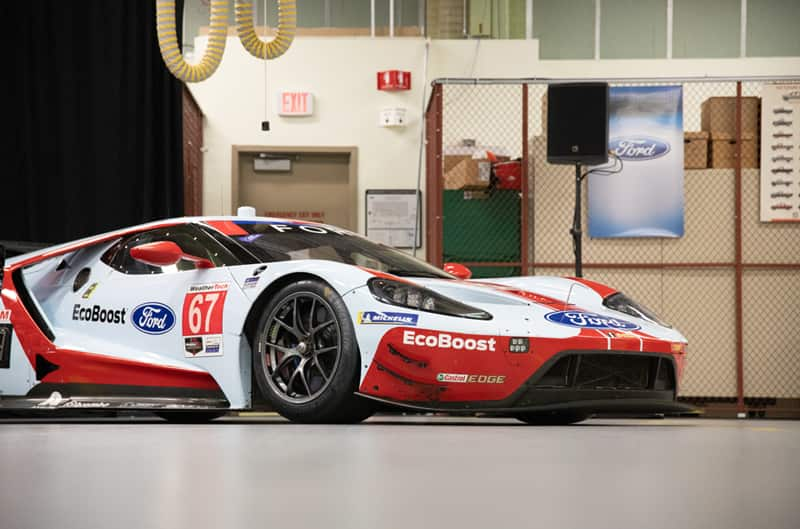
{"type": "Point", "coordinates": [194, 317]}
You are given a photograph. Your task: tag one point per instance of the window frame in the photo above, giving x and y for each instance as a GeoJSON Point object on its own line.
{"type": "Point", "coordinates": [118, 254]}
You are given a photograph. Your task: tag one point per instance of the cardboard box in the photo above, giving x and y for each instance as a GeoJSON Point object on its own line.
{"type": "Point", "coordinates": [451, 160]}
{"type": "Point", "coordinates": [469, 174]}
{"type": "Point", "coordinates": [723, 154]}
{"type": "Point", "coordinates": [695, 150]}
{"type": "Point", "coordinates": [718, 117]}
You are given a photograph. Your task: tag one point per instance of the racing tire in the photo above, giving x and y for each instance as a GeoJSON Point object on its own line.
{"type": "Point", "coordinates": [305, 356]}
{"type": "Point", "coordinates": [552, 418]}
{"type": "Point", "coordinates": [189, 417]}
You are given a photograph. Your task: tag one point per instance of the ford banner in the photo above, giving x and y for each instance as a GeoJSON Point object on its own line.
{"type": "Point", "coordinates": [646, 199]}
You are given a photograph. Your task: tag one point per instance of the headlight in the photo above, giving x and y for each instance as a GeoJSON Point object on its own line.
{"type": "Point", "coordinates": [622, 303]}
{"type": "Point", "coordinates": [419, 298]}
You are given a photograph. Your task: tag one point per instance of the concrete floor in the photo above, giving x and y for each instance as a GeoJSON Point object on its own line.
{"type": "Point", "coordinates": [400, 472]}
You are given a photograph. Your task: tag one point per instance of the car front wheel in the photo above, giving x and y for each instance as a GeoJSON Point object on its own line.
{"type": "Point", "coordinates": [306, 358]}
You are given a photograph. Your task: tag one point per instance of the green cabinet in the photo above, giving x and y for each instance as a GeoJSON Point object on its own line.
{"type": "Point", "coordinates": [482, 227]}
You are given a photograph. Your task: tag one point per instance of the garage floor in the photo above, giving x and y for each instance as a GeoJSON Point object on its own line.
{"type": "Point", "coordinates": [400, 472]}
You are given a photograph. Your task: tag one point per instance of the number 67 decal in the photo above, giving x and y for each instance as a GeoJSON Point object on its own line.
{"type": "Point", "coordinates": [203, 310]}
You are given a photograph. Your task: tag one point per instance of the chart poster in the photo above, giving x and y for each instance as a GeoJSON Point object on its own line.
{"type": "Point", "coordinates": [780, 153]}
{"type": "Point", "coordinates": [393, 217]}
{"type": "Point", "coordinates": [645, 199]}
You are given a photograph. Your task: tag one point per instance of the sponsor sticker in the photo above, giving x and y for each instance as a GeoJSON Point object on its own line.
{"type": "Point", "coordinates": [387, 318]}
{"type": "Point", "coordinates": [250, 282]}
{"type": "Point", "coordinates": [153, 318]}
{"type": "Point", "coordinates": [589, 320]}
{"type": "Point", "coordinates": [207, 287]}
{"type": "Point", "coordinates": [193, 345]}
{"type": "Point", "coordinates": [5, 316]}
{"type": "Point", "coordinates": [308, 228]}
{"type": "Point", "coordinates": [98, 314]}
{"type": "Point", "coordinates": [213, 346]}
{"type": "Point", "coordinates": [201, 346]}
{"type": "Point", "coordinates": [203, 309]}
{"type": "Point", "coordinates": [89, 290]}
{"type": "Point", "coordinates": [442, 340]}
{"type": "Point", "coordinates": [457, 378]}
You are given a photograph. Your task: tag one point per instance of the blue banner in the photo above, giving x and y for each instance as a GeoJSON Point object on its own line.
{"type": "Point", "coordinates": [645, 130]}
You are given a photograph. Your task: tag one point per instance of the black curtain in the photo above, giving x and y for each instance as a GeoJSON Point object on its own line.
{"type": "Point", "coordinates": [94, 120]}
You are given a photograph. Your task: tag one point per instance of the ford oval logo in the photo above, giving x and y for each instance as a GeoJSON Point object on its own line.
{"type": "Point", "coordinates": [638, 148]}
{"type": "Point", "coordinates": [153, 318]}
{"type": "Point", "coordinates": [590, 320]}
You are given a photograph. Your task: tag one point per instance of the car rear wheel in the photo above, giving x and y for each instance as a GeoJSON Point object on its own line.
{"type": "Point", "coordinates": [306, 359]}
{"type": "Point", "coordinates": [551, 419]}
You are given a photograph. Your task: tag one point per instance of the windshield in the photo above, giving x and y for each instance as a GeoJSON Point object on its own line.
{"type": "Point", "coordinates": [271, 241]}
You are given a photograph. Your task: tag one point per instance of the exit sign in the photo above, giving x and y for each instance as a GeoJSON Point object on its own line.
{"type": "Point", "coordinates": [295, 103]}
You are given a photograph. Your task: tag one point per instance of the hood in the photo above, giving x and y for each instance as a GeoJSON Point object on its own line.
{"type": "Point", "coordinates": [550, 292]}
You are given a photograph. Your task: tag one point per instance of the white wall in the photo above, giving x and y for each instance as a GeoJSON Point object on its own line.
{"type": "Point", "coordinates": [341, 74]}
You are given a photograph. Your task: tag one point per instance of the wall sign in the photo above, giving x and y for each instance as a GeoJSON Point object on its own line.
{"type": "Point", "coordinates": [780, 153]}
{"type": "Point", "coordinates": [295, 104]}
{"type": "Point", "coordinates": [645, 130]}
{"type": "Point", "coordinates": [391, 215]}
{"type": "Point", "coordinates": [394, 80]}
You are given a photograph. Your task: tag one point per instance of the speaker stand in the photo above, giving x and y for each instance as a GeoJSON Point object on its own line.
{"type": "Point", "coordinates": [577, 233]}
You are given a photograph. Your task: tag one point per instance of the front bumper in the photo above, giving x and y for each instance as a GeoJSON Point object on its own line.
{"type": "Point", "coordinates": [587, 380]}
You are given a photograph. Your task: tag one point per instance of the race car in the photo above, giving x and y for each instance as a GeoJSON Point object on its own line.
{"type": "Point", "coordinates": [191, 318]}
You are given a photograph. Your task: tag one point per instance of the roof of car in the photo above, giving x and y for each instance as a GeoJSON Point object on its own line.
{"type": "Point", "coordinates": [61, 249]}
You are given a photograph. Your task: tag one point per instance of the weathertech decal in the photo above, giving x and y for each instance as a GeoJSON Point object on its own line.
{"type": "Point", "coordinates": [96, 313]}
{"type": "Point", "coordinates": [470, 379]}
{"type": "Point", "coordinates": [444, 340]}
{"type": "Point", "coordinates": [203, 311]}
{"type": "Point", "coordinates": [203, 308]}
{"type": "Point", "coordinates": [387, 318]}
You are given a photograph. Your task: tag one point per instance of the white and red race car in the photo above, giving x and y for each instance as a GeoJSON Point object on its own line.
{"type": "Point", "coordinates": [194, 317]}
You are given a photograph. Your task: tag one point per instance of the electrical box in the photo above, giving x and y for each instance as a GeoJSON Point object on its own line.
{"type": "Point", "coordinates": [392, 117]}
{"type": "Point", "coordinates": [394, 80]}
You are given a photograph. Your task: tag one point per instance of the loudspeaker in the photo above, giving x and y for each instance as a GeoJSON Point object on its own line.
{"type": "Point", "coordinates": [577, 123]}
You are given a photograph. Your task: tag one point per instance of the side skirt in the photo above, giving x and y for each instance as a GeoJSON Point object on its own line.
{"type": "Point", "coordinates": [597, 406]}
{"type": "Point", "coordinates": [47, 396]}
{"type": "Point", "coordinates": [58, 402]}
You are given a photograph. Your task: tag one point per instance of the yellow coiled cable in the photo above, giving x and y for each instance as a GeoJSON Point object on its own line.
{"type": "Point", "coordinates": [287, 25]}
{"type": "Point", "coordinates": [171, 51]}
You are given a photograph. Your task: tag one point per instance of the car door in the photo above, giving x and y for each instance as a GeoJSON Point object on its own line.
{"type": "Point", "coordinates": [174, 313]}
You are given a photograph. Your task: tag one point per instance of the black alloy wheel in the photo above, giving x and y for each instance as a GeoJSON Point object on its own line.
{"type": "Point", "coordinates": [305, 358]}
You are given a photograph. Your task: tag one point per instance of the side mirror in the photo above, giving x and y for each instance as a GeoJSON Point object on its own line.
{"type": "Point", "coordinates": [458, 270]}
{"type": "Point", "coordinates": [165, 253]}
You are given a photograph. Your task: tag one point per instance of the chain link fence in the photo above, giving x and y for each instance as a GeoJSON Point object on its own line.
{"type": "Point", "coordinates": [731, 284]}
